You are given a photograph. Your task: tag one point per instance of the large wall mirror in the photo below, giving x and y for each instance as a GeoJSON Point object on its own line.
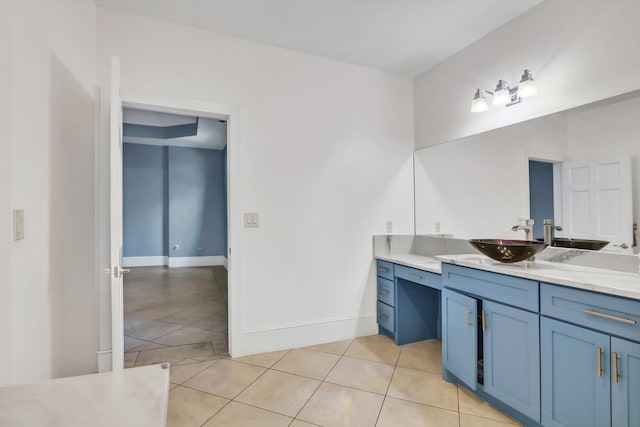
{"type": "Point", "coordinates": [579, 167]}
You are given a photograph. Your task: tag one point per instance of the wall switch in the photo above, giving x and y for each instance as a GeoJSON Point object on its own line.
{"type": "Point", "coordinates": [437, 226]}
{"type": "Point", "coordinates": [251, 219]}
{"type": "Point", "coordinates": [18, 224]}
{"type": "Point", "coordinates": [389, 227]}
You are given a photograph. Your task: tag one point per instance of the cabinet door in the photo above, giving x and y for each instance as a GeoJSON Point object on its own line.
{"type": "Point", "coordinates": [459, 336]}
{"type": "Point", "coordinates": [512, 357]}
{"type": "Point", "coordinates": [625, 387]}
{"type": "Point", "coordinates": [575, 375]}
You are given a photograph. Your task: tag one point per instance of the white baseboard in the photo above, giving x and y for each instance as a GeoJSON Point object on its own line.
{"type": "Point", "coordinates": [196, 261]}
{"type": "Point", "coordinates": [144, 261]}
{"type": "Point", "coordinates": [171, 262]}
{"type": "Point", "coordinates": [104, 361]}
{"type": "Point", "coordinates": [284, 337]}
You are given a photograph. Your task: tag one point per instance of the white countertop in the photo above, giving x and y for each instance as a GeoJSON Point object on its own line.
{"type": "Point", "coordinates": [420, 262]}
{"type": "Point", "coordinates": [135, 397]}
{"type": "Point", "coordinates": [592, 279]}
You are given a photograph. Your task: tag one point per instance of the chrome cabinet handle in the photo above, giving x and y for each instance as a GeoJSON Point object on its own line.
{"type": "Point", "coordinates": [484, 320]}
{"type": "Point", "coordinates": [466, 317]}
{"type": "Point", "coordinates": [614, 362]}
{"type": "Point", "coordinates": [383, 316]}
{"type": "Point", "coordinates": [383, 269]}
{"type": "Point", "coordinates": [383, 291]}
{"type": "Point", "coordinates": [599, 354]}
{"type": "Point", "coordinates": [414, 276]}
{"type": "Point", "coordinates": [609, 316]}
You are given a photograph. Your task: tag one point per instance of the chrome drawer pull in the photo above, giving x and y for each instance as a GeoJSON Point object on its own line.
{"type": "Point", "coordinates": [383, 316]}
{"type": "Point", "coordinates": [383, 269]}
{"type": "Point", "coordinates": [467, 312]}
{"type": "Point", "coordinates": [414, 276]}
{"type": "Point", "coordinates": [610, 316]}
{"type": "Point", "coordinates": [383, 291]}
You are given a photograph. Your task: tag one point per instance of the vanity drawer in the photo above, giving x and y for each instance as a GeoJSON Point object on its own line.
{"type": "Point", "coordinates": [386, 317]}
{"type": "Point", "coordinates": [515, 291]}
{"type": "Point", "coordinates": [425, 278]}
{"type": "Point", "coordinates": [385, 269]}
{"type": "Point", "coordinates": [386, 292]}
{"type": "Point", "coordinates": [611, 314]}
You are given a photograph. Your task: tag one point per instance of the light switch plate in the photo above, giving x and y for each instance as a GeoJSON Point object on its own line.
{"type": "Point", "coordinates": [251, 219]}
{"type": "Point", "coordinates": [18, 224]}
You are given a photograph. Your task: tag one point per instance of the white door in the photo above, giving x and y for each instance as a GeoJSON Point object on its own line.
{"type": "Point", "coordinates": [597, 201]}
{"type": "Point", "coordinates": [115, 155]}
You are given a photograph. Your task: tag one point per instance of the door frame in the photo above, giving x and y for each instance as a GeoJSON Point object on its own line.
{"type": "Point", "coordinates": [233, 117]}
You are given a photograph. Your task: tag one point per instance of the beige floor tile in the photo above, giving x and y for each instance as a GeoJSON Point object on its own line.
{"type": "Point", "coordinates": [377, 348]}
{"type": "Point", "coordinates": [300, 423]}
{"type": "Point", "coordinates": [473, 405]}
{"type": "Point", "coordinates": [185, 335]}
{"type": "Point", "coordinates": [156, 312]}
{"type": "Point", "coordinates": [423, 387]}
{"type": "Point", "coordinates": [132, 305]}
{"type": "Point", "coordinates": [467, 420]}
{"type": "Point", "coordinates": [181, 373]}
{"type": "Point", "coordinates": [225, 378]}
{"type": "Point", "coordinates": [423, 356]}
{"type": "Point", "coordinates": [213, 322]}
{"type": "Point", "coordinates": [266, 360]}
{"type": "Point", "coordinates": [336, 347]}
{"type": "Point", "coordinates": [334, 405]}
{"type": "Point", "coordinates": [132, 321]}
{"type": "Point", "coordinates": [191, 408]}
{"type": "Point", "coordinates": [308, 363]}
{"type": "Point", "coordinates": [187, 361]}
{"type": "Point", "coordinates": [183, 317]}
{"type": "Point", "coordinates": [397, 412]}
{"type": "Point", "coordinates": [153, 329]}
{"type": "Point", "coordinates": [279, 392]}
{"type": "Point", "coordinates": [361, 374]}
{"type": "Point", "coordinates": [134, 344]}
{"type": "Point", "coordinates": [130, 359]}
{"type": "Point", "coordinates": [174, 354]}
{"type": "Point", "coordinates": [238, 415]}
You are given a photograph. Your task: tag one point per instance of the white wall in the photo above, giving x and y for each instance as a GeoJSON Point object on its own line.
{"type": "Point", "coordinates": [48, 325]}
{"type": "Point", "coordinates": [326, 153]}
{"type": "Point", "coordinates": [606, 131]}
{"type": "Point", "coordinates": [579, 51]}
{"type": "Point", "coordinates": [478, 186]}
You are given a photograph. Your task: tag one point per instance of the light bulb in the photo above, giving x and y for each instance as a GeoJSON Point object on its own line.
{"type": "Point", "coordinates": [479, 102]}
{"type": "Point", "coordinates": [527, 86]}
{"type": "Point", "coordinates": [501, 95]}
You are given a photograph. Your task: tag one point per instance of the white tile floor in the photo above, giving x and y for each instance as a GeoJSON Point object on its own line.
{"type": "Point", "coordinates": [368, 381]}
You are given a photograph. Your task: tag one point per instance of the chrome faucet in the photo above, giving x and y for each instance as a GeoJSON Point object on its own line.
{"type": "Point", "coordinates": [549, 229]}
{"type": "Point", "coordinates": [527, 226]}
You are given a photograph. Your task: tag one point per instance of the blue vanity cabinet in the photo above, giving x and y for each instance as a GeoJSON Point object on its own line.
{"type": "Point", "coordinates": [575, 375]}
{"type": "Point", "coordinates": [491, 337]}
{"type": "Point", "coordinates": [625, 386]}
{"type": "Point", "coordinates": [590, 358]}
{"type": "Point", "coordinates": [512, 357]}
{"type": "Point", "coordinates": [408, 307]}
{"type": "Point", "coordinates": [459, 336]}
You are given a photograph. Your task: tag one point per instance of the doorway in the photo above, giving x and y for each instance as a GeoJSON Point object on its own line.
{"type": "Point", "coordinates": [233, 197]}
{"type": "Point", "coordinates": [174, 237]}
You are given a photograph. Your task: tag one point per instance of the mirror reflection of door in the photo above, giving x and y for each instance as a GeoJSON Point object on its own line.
{"type": "Point", "coordinates": [597, 201]}
{"type": "Point", "coordinates": [594, 200]}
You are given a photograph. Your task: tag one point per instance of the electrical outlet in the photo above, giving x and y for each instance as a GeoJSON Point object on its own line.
{"type": "Point", "coordinates": [389, 227]}
{"type": "Point", "coordinates": [18, 224]}
{"type": "Point", "coordinates": [437, 226]}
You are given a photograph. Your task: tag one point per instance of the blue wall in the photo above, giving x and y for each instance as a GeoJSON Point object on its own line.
{"type": "Point", "coordinates": [540, 194]}
{"type": "Point", "coordinates": [144, 200]}
{"type": "Point", "coordinates": [197, 202]}
{"type": "Point", "coordinates": [172, 196]}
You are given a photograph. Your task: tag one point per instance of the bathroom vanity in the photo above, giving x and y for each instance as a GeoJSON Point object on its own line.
{"type": "Point", "coordinates": [550, 344]}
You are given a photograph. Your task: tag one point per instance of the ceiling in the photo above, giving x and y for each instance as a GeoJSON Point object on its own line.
{"type": "Point", "coordinates": [211, 133]}
{"type": "Point", "coordinates": [403, 36]}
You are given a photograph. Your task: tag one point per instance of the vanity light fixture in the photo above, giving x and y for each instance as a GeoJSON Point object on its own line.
{"type": "Point", "coordinates": [505, 95]}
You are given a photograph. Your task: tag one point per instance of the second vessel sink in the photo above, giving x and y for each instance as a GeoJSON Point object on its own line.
{"type": "Point", "coordinates": [508, 251]}
{"type": "Point", "coordinates": [594, 245]}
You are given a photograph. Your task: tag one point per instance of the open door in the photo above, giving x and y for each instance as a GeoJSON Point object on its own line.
{"type": "Point", "coordinates": [115, 156]}
{"type": "Point", "coordinates": [597, 201]}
